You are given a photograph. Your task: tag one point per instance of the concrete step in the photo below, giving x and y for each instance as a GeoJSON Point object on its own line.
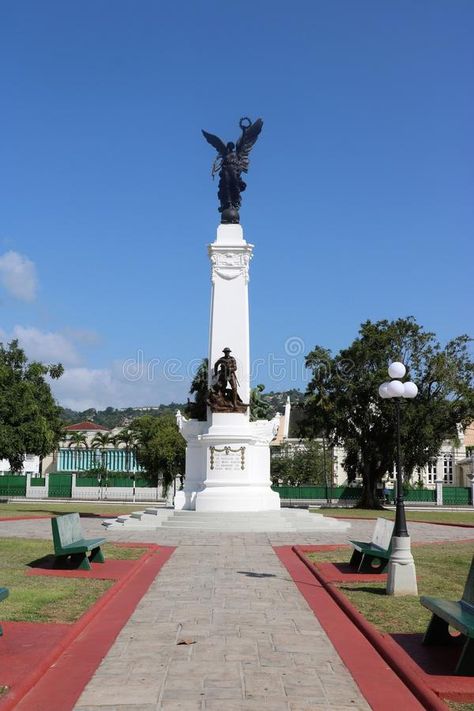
{"type": "Point", "coordinates": [285, 521]}
{"type": "Point", "coordinates": [155, 511]}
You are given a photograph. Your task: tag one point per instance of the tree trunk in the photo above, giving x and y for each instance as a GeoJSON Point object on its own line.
{"type": "Point", "coordinates": [369, 498]}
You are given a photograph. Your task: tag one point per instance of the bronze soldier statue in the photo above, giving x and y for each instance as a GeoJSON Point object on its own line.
{"type": "Point", "coordinates": [223, 396]}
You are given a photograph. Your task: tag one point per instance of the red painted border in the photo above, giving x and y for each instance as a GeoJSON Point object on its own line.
{"type": "Point", "coordinates": [49, 516]}
{"type": "Point", "coordinates": [23, 518]}
{"type": "Point", "coordinates": [388, 648]}
{"type": "Point", "coordinates": [410, 520]}
{"type": "Point", "coordinates": [379, 684]}
{"type": "Point", "coordinates": [59, 679]}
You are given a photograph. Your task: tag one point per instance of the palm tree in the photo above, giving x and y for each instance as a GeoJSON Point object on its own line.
{"type": "Point", "coordinates": [127, 438]}
{"type": "Point", "coordinates": [101, 441]}
{"type": "Point", "coordinates": [77, 440]}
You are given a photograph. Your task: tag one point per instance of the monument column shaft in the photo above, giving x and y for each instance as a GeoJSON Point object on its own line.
{"type": "Point", "coordinates": [229, 320]}
{"type": "Point", "coordinates": [228, 457]}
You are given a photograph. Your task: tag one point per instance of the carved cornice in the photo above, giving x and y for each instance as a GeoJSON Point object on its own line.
{"type": "Point", "coordinates": [229, 262]}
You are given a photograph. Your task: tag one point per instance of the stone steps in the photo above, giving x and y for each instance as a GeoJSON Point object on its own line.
{"type": "Point", "coordinates": [285, 520]}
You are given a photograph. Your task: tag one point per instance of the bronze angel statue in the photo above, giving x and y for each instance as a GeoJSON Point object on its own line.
{"type": "Point", "coordinates": [232, 161]}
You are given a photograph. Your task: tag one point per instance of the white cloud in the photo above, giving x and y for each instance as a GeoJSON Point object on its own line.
{"type": "Point", "coordinates": [18, 276]}
{"type": "Point", "coordinates": [81, 388]}
{"type": "Point", "coordinates": [132, 382]}
{"type": "Point", "coordinates": [84, 336]}
{"type": "Point", "coordinates": [46, 346]}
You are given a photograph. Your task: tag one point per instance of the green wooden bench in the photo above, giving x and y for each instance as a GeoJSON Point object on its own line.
{"type": "Point", "coordinates": [69, 542]}
{"type": "Point", "coordinates": [373, 557]}
{"type": "Point", "coordinates": [458, 614]}
{"type": "Point", "coordinates": [4, 592]}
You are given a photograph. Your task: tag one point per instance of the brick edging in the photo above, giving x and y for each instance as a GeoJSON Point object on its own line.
{"type": "Point", "coordinates": [385, 646]}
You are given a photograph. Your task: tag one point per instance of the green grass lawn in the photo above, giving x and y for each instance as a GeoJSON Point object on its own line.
{"type": "Point", "coordinates": [405, 614]}
{"type": "Point", "coordinates": [441, 571]}
{"type": "Point", "coordinates": [44, 598]}
{"type": "Point", "coordinates": [429, 516]}
{"type": "Point", "coordinates": [14, 509]}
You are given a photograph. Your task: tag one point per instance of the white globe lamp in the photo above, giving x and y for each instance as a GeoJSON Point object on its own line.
{"type": "Point", "coordinates": [396, 370]}
{"type": "Point", "coordinates": [410, 390]}
{"type": "Point", "coordinates": [395, 388]}
{"type": "Point", "coordinates": [383, 390]}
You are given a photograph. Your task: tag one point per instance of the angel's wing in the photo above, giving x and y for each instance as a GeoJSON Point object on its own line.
{"type": "Point", "coordinates": [216, 142]}
{"type": "Point", "coordinates": [246, 143]}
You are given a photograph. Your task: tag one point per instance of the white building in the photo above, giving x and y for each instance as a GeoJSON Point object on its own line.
{"type": "Point", "coordinates": [454, 465]}
{"type": "Point", "coordinates": [31, 465]}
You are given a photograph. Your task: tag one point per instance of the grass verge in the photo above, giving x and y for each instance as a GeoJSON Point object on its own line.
{"type": "Point", "coordinates": [44, 598]}
{"type": "Point", "coordinates": [428, 516]}
{"type": "Point", "coordinates": [15, 509]}
{"type": "Point", "coordinates": [405, 614]}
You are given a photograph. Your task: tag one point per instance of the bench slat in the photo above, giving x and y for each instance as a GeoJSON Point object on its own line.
{"type": "Point", "coordinates": [83, 545]}
{"type": "Point", "coordinates": [451, 612]}
{"type": "Point", "coordinates": [370, 549]}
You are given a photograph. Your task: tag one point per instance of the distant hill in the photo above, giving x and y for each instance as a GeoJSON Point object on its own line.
{"type": "Point", "coordinates": [121, 417]}
{"type": "Point", "coordinates": [118, 417]}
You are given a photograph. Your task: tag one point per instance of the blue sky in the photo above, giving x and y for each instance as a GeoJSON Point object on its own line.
{"type": "Point", "coordinates": [359, 198]}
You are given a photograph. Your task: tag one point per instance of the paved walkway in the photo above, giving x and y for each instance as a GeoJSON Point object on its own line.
{"type": "Point", "coordinates": [255, 644]}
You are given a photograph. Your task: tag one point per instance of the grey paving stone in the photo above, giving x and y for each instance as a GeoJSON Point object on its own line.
{"type": "Point", "coordinates": [247, 629]}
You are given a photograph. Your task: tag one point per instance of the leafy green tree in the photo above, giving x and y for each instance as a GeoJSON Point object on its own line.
{"type": "Point", "coordinates": [197, 410]}
{"type": "Point", "coordinates": [343, 403]}
{"type": "Point", "coordinates": [259, 408]}
{"type": "Point", "coordinates": [159, 448]}
{"type": "Point", "coordinates": [296, 465]}
{"type": "Point", "coordinates": [29, 416]}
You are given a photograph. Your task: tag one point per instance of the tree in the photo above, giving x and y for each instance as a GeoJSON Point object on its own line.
{"type": "Point", "coordinates": [199, 388]}
{"type": "Point", "coordinates": [160, 448]}
{"type": "Point", "coordinates": [343, 403]}
{"type": "Point", "coordinates": [77, 440]}
{"type": "Point", "coordinates": [128, 439]}
{"type": "Point", "coordinates": [29, 416]}
{"type": "Point", "coordinates": [296, 465]}
{"type": "Point", "coordinates": [101, 441]}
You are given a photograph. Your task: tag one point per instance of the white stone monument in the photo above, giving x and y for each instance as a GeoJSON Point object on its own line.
{"type": "Point", "coordinates": [228, 457]}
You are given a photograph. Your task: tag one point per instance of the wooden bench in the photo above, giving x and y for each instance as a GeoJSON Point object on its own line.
{"type": "Point", "coordinates": [4, 592]}
{"type": "Point", "coordinates": [379, 549]}
{"type": "Point", "coordinates": [458, 614]}
{"type": "Point", "coordinates": [69, 541]}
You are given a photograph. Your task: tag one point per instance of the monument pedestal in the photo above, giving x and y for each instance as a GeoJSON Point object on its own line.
{"type": "Point", "coordinates": [228, 457]}
{"type": "Point", "coordinates": [228, 466]}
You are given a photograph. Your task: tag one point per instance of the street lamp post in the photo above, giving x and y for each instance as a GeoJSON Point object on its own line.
{"type": "Point", "coordinates": [401, 579]}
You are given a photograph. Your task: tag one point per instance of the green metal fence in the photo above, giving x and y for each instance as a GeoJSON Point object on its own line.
{"type": "Point", "coordinates": [421, 495]}
{"type": "Point", "coordinates": [60, 486]}
{"type": "Point", "coordinates": [87, 481]}
{"type": "Point", "coordinates": [342, 493]}
{"type": "Point", "coordinates": [38, 481]}
{"type": "Point", "coordinates": [13, 485]}
{"type": "Point", "coordinates": [457, 496]}
{"type": "Point", "coordinates": [112, 482]}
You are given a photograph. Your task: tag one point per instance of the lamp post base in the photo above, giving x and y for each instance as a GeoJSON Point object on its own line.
{"type": "Point", "coordinates": [401, 578]}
